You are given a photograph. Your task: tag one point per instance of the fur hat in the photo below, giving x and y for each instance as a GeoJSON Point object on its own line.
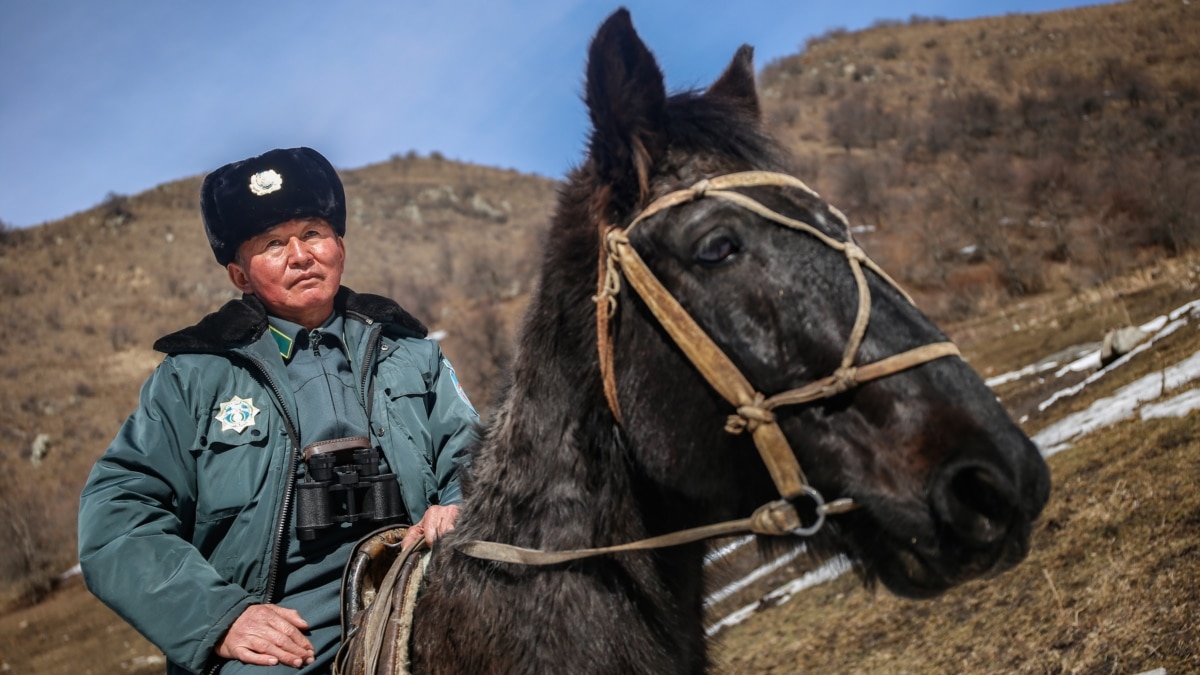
{"type": "Point", "coordinates": [243, 199]}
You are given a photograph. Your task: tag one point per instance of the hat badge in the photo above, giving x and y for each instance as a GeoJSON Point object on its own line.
{"type": "Point", "coordinates": [265, 182]}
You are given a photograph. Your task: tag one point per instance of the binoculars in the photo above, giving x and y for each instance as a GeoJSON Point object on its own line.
{"type": "Point", "coordinates": [343, 485]}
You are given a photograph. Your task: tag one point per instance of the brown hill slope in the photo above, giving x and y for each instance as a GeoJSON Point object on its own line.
{"type": "Point", "coordinates": [1004, 156]}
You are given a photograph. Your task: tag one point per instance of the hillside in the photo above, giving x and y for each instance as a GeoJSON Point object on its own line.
{"type": "Point", "coordinates": [1031, 179]}
{"type": "Point", "coordinates": [1003, 157]}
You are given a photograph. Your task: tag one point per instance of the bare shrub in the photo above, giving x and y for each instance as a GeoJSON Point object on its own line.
{"type": "Point", "coordinates": [860, 122]}
{"type": "Point", "coordinates": [479, 342]}
{"type": "Point", "coordinates": [861, 189]}
{"type": "Point", "coordinates": [1174, 221]}
{"type": "Point", "coordinates": [34, 514]}
{"type": "Point", "coordinates": [1076, 97]}
{"type": "Point", "coordinates": [785, 116]}
{"type": "Point", "coordinates": [1052, 187]}
{"type": "Point", "coordinates": [1184, 92]}
{"type": "Point", "coordinates": [943, 66]}
{"type": "Point", "coordinates": [7, 234]}
{"type": "Point", "coordinates": [808, 167]}
{"type": "Point", "coordinates": [14, 283]}
{"type": "Point", "coordinates": [491, 341]}
{"type": "Point", "coordinates": [828, 36]}
{"type": "Point", "coordinates": [953, 121]}
{"type": "Point", "coordinates": [815, 85]}
{"type": "Point", "coordinates": [420, 296]}
{"type": "Point", "coordinates": [122, 335]}
{"type": "Point", "coordinates": [116, 210]}
{"type": "Point", "coordinates": [1000, 70]}
{"type": "Point", "coordinates": [1130, 83]}
{"type": "Point", "coordinates": [1036, 115]}
{"type": "Point", "coordinates": [977, 208]}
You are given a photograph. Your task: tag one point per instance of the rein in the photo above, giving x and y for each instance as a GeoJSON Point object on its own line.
{"type": "Point", "coordinates": [754, 410]}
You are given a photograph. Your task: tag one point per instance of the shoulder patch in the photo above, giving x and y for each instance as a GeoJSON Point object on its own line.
{"type": "Point", "coordinates": [457, 386]}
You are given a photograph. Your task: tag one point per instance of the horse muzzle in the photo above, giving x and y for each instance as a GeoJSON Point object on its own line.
{"type": "Point", "coordinates": [976, 521]}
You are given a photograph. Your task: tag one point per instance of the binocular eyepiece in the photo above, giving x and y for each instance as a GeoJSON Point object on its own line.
{"type": "Point", "coordinates": [343, 485]}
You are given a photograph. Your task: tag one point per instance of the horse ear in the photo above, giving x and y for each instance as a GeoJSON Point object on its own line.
{"type": "Point", "coordinates": [736, 84]}
{"type": "Point", "coordinates": [626, 99]}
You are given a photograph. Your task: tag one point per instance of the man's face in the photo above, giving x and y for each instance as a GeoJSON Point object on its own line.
{"type": "Point", "coordinates": [294, 269]}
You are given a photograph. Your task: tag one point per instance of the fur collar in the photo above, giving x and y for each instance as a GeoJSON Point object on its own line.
{"type": "Point", "coordinates": [241, 322]}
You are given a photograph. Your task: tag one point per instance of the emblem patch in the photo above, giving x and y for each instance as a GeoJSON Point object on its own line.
{"type": "Point", "coordinates": [458, 387]}
{"type": "Point", "coordinates": [237, 414]}
{"type": "Point", "coordinates": [265, 182]}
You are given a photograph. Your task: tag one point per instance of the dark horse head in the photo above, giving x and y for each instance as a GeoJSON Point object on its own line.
{"type": "Point", "coordinates": [947, 484]}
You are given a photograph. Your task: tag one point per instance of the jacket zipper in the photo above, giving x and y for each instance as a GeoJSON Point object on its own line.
{"type": "Point", "coordinates": [281, 528]}
{"type": "Point", "coordinates": [277, 551]}
{"type": "Point", "coordinates": [366, 384]}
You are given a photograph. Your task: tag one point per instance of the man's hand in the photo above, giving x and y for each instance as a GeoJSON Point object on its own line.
{"type": "Point", "coordinates": [438, 520]}
{"type": "Point", "coordinates": [265, 635]}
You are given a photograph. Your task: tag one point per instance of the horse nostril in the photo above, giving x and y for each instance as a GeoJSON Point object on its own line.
{"type": "Point", "coordinates": [977, 503]}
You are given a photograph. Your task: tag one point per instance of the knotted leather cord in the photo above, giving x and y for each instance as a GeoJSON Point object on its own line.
{"type": "Point", "coordinates": [754, 410]}
{"type": "Point", "coordinates": [774, 518]}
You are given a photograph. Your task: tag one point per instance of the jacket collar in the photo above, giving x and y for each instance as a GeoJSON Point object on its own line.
{"type": "Point", "coordinates": [241, 322]}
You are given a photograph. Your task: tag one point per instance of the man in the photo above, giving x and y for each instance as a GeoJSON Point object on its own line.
{"type": "Point", "coordinates": [207, 524]}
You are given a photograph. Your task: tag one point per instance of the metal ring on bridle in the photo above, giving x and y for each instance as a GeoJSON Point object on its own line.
{"type": "Point", "coordinates": [818, 508]}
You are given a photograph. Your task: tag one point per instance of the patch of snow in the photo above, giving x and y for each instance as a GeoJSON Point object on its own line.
{"type": "Point", "coordinates": [1089, 361]}
{"type": "Point", "coordinates": [721, 594]}
{"type": "Point", "coordinates": [725, 550]}
{"type": "Point", "coordinates": [1111, 409]}
{"type": "Point", "coordinates": [1014, 375]}
{"type": "Point", "coordinates": [827, 572]}
{"type": "Point", "coordinates": [1087, 357]}
{"type": "Point", "coordinates": [1176, 406]}
{"type": "Point", "coordinates": [1071, 391]}
{"type": "Point", "coordinates": [74, 571]}
{"type": "Point", "coordinates": [1192, 308]}
{"type": "Point", "coordinates": [140, 662]}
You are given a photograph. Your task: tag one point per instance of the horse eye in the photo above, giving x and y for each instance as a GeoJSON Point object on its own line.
{"type": "Point", "coordinates": [716, 248]}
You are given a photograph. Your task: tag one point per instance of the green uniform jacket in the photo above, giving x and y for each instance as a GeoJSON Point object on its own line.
{"type": "Point", "coordinates": [182, 525]}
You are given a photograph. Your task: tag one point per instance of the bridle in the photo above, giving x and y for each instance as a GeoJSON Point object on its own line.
{"type": "Point", "coordinates": [754, 411]}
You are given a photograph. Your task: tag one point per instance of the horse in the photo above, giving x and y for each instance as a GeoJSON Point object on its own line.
{"type": "Point", "coordinates": [611, 431]}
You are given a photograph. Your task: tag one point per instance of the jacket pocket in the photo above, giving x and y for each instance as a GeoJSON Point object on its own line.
{"type": "Point", "coordinates": [405, 395]}
{"type": "Point", "coordinates": [232, 469]}
{"type": "Point", "coordinates": [407, 441]}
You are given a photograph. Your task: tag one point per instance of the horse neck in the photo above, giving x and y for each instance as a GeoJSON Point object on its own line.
{"type": "Point", "coordinates": [553, 457]}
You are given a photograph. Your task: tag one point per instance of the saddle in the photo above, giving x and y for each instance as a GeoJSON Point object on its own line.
{"type": "Point", "coordinates": [379, 592]}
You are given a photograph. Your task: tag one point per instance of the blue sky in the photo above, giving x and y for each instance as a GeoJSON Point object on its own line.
{"type": "Point", "coordinates": [122, 95]}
